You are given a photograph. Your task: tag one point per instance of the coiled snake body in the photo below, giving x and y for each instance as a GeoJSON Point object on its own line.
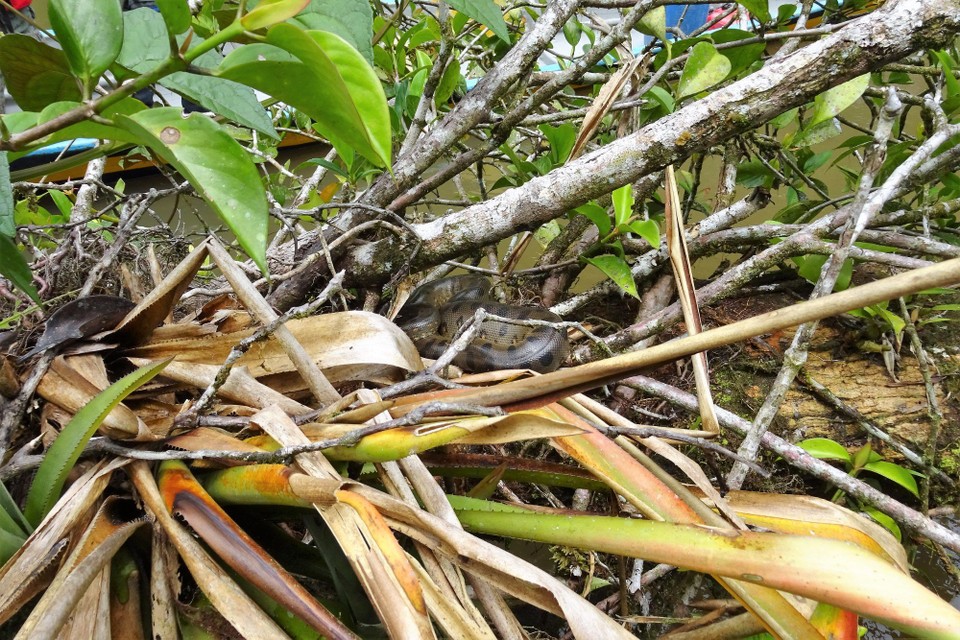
{"type": "Point", "coordinates": [435, 312]}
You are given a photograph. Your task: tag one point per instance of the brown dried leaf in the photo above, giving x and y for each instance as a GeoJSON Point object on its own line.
{"type": "Point", "coordinates": [601, 105]}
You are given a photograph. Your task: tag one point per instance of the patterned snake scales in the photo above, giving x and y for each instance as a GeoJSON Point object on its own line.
{"type": "Point", "coordinates": [435, 312]}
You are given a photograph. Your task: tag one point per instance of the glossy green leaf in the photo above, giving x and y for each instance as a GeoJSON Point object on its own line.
{"type": "Point", "coordinates": [888, 523]}
{"type": "Point", "coordinates": [36, 74]}
{"type": "Point", "coordinates": [598, 216]}
{"type": "Point", "coordinates": [759, 9]}
{"type": "Point", "coordinates": [176, 15]}
{"type": "Point", "coordinates": [648, 230]}
{"type": "Point", "coordinates": [331, 83]}
{"type": "Point", "coordinates": [486, 12]}
{"type": "Point", "coordinates": [91, 34]}
{"type": "Point", "coordinates": [654, 23]}
{"type": "Point", "coordinates": [894, 473]}
{"type": "Point", "coordinates": [784, 118]}
{"type": "Point", "coordinates": [14, 267]}
{"type": "Point", "coordinates": [270, 12]}
{"type": "Point", "coordinates": [449, 82]}
{"type": "Point", "coordinates": [825, 449]}
{"type": "Point", "coordinates": [65, 450]}
{"type": "Point", "coordinates": [617, 269]}
{"type": "Point", "coordinates": [705, 67]}
{"type": "Point", "coordinates": [8, 226]}
{"type": "Point", "coordinates": [88, 128]}
{"type": "Point", "coordinates": [833, 101]}
{"type": "Point", "coordinates": [217, 167]}
{"type": "Point", "coordinates": [741, 57]}
{"type": "Point", "coordinates": [63, 202]}
{"type": "Point", "coordinates": [145, 47]}
{"type": "Point", "coordinates": [622, 204]}
{"type": "Point", "coordinates": [349, 19]}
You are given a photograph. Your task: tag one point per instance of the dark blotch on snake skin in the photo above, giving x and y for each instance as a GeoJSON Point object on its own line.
{"type": "Point", "coordinates": [436, 311]}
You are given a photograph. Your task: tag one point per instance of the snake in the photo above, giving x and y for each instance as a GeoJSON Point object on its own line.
{"type": "Point", "coordinates": [435, 312]}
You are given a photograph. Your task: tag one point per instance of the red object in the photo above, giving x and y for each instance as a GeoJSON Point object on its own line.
{"type": "Point", "coordinates": [19, 4]}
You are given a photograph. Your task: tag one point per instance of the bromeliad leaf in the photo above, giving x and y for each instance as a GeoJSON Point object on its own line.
{"type": "Point", "coordinates": [66, 449]}
{"type": "Point", "coordinates": [486, 12]}
{"type": "Point", "coordinates": [91, 34]}
{"type": "Point", "coordinates": [705, 67]}
{"type": "Point", "coordinates": [617, 269]}
{"type": "Point", "coordinates": [327, 79]}
{"type": "Point", "coordinates": [216, 165]}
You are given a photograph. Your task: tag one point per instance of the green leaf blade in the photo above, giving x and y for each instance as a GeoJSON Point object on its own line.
{"type": "Point", "coordinates": [617, 269]}
{"type": "Point", "coordinates": [66, 449]}
{"type": "Point", "coordinates": [35, 73]}
{"type": "Point", "coordinates": [486, 12]}
{"type": "Point", "coordinates": [825, 449]}
{"type": "Point", "coordinates": [91, 34]}
{"type": "Point", "coordinates": [14, 267]}
{"type": "Point", "coordinates": [705, 67]}
{"type": "Point", "coordinates": [216, 165]}
{"type": "Point", "coordinates": [176, 15]}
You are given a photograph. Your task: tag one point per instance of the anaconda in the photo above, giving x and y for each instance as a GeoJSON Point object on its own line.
{"type": "Point", "coordinates": [435, 312]}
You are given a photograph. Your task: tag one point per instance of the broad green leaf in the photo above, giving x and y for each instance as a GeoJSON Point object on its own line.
{"type": "Point", "coordinates": [895, 321]}
{"type": "Point", "coordinates": [886, 521]}
{"type": "Point", "coordinates": [217, 167]}
{"type": "Point", "coordinates": [36, 74]}
{"type": "Point", "coordinates": [14, 267]}
{"type": "Point", "coordinates": [622, 204]}
{"type": "Point", "coordinates": [784, 118]}
{"type": "Point", "coordinates": [825, 449]}
{"type": "Point", "coordinates": [598, 216]}
{"type": "Point", "coordinates": [617, 269]}
{"type": "Point", "coordinates": [91, 34]}
{"type": "Point", "coordinates": [546, 233]}
{"type": "Point", "coordinates": [270, 12]}
{"type": "Point", "coordinates": [648, 230]}
{"type": "Point", "coordinates": [486, 12]}
{"type": "Point", "coordinates": [349, 19]}
{"type": "Point", "coordinates": [833, 101]}
{"type": "Point", "coordinates": [145, 47]}
{"type": "Point", "coordinates": [449, 82]}
{"type": "Point", "coordinates": [176, 15]}
{"type": "Point", "coordinates": [759, 9]}
{"type": "Point", "coordinates": [740, 57]}
{"type": "Point", "coordinates": [65, 450]}
{"type": "Point", "coordinates": [662, 97]}
{"type": "Point", "coordinates": [895, 473]}
{"type": "Point", "coordinates": [816, 134]}
{"type": "Point", "coordinates": [331, 83]}
{"type": "Point", "coordinates": [654, 23]}
{"type": "Point", "coordinates": [88, 128]}
{"type": "Point", "coordinates": [572, 30]}
{"type": "Point", "coordinates": [63, 202]}
{"type": "Point", "coordinates": [8, 226]}
{"type": "Point", "coordinates": [705, 67]}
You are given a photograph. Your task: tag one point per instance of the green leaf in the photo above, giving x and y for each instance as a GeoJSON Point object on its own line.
{"type": "Point", "coordinates": [10, 543]}
{"type": "Point", "coordinates": [546, 233]}
{"type": "Point", "coordinates": [617, 269]}
{"type": "Point", "coordinates": [895, 473]}
{"type": "Point", "coordinates": [14, 267]}
{"type": "Point", "coordinates": [622, 204]}
{"type": "Point", "coordinates": [8, 226]}
{"type": "Point", "coordinates": [486, 12]}
{"type": "Point", "coordinates": [176, 15]}
{"type": "Point", "coordinates": [145, 47]}
{"type": "Point", "coordinates": [62, 201]}
{"type": "Point", "coordinates": [449, 82]}
{"type": "Point", "coordinates": [886, 521]}
{"type": "Point", "coordinates": [270, 12]}
{"type": "Point", "coordinates": [91, 34]}
{"type": "Point", "coordinates": [648, 230]}
{"type": "Point", "coordinates": [811, 135]}
{"type": "Point", "coordinates": [13, 520]}
{"type": "Point", "coordinates": [65, 450]}
{"type": "Point", "coordinates": [740, 57]}
{"type": "Point", "coordinates": [216, 165]}
{"type": "Point", "coordinates": [88, 128]}
{"type": "Point", "coordinates": [331, 83]}
{"type": "Point", "coordinates": [598, 216]}
{"type": "Point", "coordinates": [953, 85]}
{"type": "Point", "coordinates": [705, 67]}
{"type": "Point", "coordinates": [833, 101]}
{"type": "Point", "coordinates": [349, 19]}
{"type": "Point", "coordinates": [36, 74]}
{"type": "Point", "coordinates": [825, 449]}
{"type": "Point", "coordinates": [654, 23]}
{"type": "Point", "coordinates": [759, 9]}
